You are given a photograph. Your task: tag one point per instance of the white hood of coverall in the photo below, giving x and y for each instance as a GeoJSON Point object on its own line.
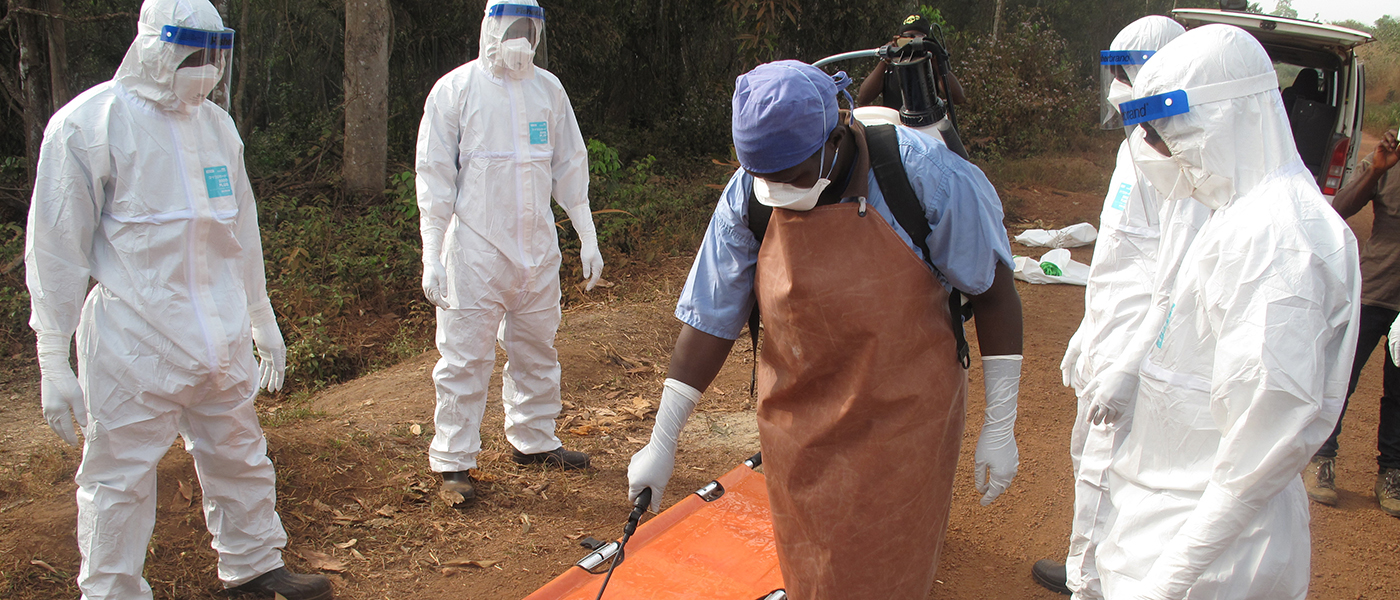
{"type": "Point", "coordinates": [148, 70]}
{"type": "Point", "coordinates": [493, 32]}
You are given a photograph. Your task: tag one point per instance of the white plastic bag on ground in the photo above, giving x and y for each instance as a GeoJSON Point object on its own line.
{"type": "Point", "coordinates": [1074, 236]}
{"type": "Point", "coordinates": [1055, 267]}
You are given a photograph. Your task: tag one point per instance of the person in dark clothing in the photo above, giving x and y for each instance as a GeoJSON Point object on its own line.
{"type": "Point", "coordinates": [883, 83]}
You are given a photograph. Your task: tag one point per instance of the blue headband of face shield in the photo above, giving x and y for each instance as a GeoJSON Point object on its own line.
{"type": "Point", "coordinates": [1122, 58]}
{"type": "Point", "coordinates": [1176, 102]}
{"type": "Point", "coordinates": [198, 38]}
{"type": "Point", "coordinates": [515, 10]}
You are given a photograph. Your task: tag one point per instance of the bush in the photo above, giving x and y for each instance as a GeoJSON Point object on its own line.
{"type": "Point", "coordinates": [14, 295]}
{"type": "Point", "coordinates": [1025, 94]}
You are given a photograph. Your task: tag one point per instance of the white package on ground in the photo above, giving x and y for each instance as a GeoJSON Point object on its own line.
{"type": "Point", "coordinates": [1055, 267]}
{"type": "Point", "coordinates": [1247, 373]}
{"type": "Point", "coordinates": [147, 193]}
{"type": "Point", "coordinates": [499, 138]}
{"type": "Point", "coordinates": [1074, 236]}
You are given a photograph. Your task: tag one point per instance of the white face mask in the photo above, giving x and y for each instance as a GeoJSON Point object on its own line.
{"type": "Point", "coordinates": [791, 197]}
{"type": "Point", "coordinates": [1210, 189]}
{"type": "Point", "coordinates": [1163, 173]}
{"type": "Point", "coordinates": [193, 84]}
{"type": "Point", "coordinates": [1119, 92]}
{"type": "Point", "coordinates": [517, 56]}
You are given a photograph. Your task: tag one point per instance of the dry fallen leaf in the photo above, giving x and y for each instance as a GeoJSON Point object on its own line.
{"type": "Point", "coordinates": [386, 511]}
{"type": "Point", "coordinates": [356, 554]}
{"type": "Point", "coordinates": [277, 596]}
{"type": "Point", "coordinates": [451, 498]}
{"type": "Point", "coordinates": [538, 488]}
{"type": "Point", "coordinates": [525, 529]}
{"type": "Point", "coordinates": [584, 430]}
{"type": "Point", "coordinates": [348, 544]}
{"type": "Point", "coordinates": [186, 492]}
{"type": "Point", "coordinates": [574, 536]}
{"type": "Point", "coordinates": [415, 429]}
{"type": "Point", "coordinates": [322, 561]}
{"type": "Point", "coordinates": [319, 505]}
{"type": "Point", "coordinates": [45, 566]}
{"type": "Point", "coordinates": [611, 395]}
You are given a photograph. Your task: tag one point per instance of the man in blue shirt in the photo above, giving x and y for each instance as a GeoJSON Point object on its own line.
{"type": "Point", "coordinates": [861, 391]}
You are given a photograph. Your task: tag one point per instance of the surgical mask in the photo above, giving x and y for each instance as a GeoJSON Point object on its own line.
{"type": "Point", "coordinates": [1119, 92]}
{"type": "Point", "coordinates": [791, 197]}
{"type": "Point", "coordinates": [1163, 173]}
{"type": "Point", "coordinates": [1210, 189]}
{"type": "Point", "coordinates": [517, 55]}
{"type": "Point", "coordinates": [193, 84]}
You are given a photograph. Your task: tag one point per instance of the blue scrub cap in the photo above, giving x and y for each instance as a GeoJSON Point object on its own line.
{"type": "Point", "coordinates": [783, 113]}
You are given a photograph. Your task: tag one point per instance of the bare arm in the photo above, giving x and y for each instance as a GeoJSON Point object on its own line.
{"type": "Point", "coordinates": [955, 89]}
{"type": "Point", "coordinates": [1354, 196]}
{"type": "Point", "coordinates": [698, 357]}
{"type": "Point", "coordinates": [998, 313]}
{"type": "Point", "coordinates": [872, 86]}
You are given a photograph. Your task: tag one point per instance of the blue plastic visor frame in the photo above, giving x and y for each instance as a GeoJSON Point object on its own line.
{"type": "Point", "coordinates": [1156, 107]}
{"type": "Point", "coordinates": [198, 38]}
{"type": "Point", "coordinates": [1124, 57]}
{"type": "Point", "coordinates": [516, 10]}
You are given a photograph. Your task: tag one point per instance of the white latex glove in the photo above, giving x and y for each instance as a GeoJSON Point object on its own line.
{"type": "Point", "coordinates": [1392, 339]}
{"type": "Point", "coordinates": [272, 350]}
{"type": "Point", "coordinates": [592, 260]}
{"type": "Point", "coordinates": [997, 457]}
{"type": "Point", "coordinates": [652, 465]}
{"type": "Point", "coordinates": [1069, 365]}
{"type": "Point", "coordinates": [434, 273]}
{"type": "Point", "coordinates": [59, 392]}
{"type": "Point", "coordinates": [1110, 395]}
{"type": "Point", "coordinates": [435, 282]}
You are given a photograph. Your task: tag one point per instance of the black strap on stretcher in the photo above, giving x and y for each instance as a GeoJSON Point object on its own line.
{"type": "Point", "coordinates": [885, 161]}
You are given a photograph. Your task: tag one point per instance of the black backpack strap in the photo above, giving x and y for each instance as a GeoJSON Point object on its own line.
{"type": "Point", "coordinates": [883, 142]}
{"type": "Point", "coordinates": [759, 213]}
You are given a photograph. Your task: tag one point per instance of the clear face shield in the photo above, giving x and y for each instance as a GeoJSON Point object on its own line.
{"type": "Point", "coordinates": [1116, 69]}
{"type": "Point", "coordinates": [1182, 171]}
{"type": "Point", "coordinates": [206, 71]}
{"type": "Point", "coordinates": [520, 28]}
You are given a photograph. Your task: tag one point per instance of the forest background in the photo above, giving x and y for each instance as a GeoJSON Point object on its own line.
{"type": "Point", "coordinates": [650, 81]}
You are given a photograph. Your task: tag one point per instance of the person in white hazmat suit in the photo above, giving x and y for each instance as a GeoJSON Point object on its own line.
{"type": "Point", "coordinates": [1244, 375]}
{"type": "Point", "coordinates": [1122, 278]}
{"type": "Point", "coordinates": [141, 186]}
{"type": "Point", "coordinates": [498, 139]}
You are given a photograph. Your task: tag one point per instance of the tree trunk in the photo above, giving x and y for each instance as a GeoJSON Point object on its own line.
{"type": "Point", "coordinates": [58, 57]}
{"type": "Point", "coordinates": [33, 80]}
{"type": "Point", "coordinates": [996, 21]}
{"type": "Point", "coordinates": [241, 59]}
{"type": "Point", "coordinates": [366, 96]}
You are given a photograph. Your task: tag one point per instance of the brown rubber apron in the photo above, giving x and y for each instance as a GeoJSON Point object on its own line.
{"type": "Point", "coordinates": [861, 401]}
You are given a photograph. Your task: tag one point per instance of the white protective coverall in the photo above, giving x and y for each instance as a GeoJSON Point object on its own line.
{"type": "Point", "coordinates": [1246, 374]}
{"type": "Point", "coordinates": [495, 143]}
{"type": "Point", "coordinates": [149, 196]}
{"type": "Point", "coordinates": [1122, 279]}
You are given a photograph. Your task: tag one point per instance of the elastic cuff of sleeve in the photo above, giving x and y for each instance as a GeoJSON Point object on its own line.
{"type": "Point", "coordinates": [1003, 357]}
{"type": "Point", "coordinates": [684, 389]}
{"type": "Point", "coordinates": [51, 344]}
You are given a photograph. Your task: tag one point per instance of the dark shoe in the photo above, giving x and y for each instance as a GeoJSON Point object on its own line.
{"type": "Point", "coordinates": [559, 457]}
{"type": "Point", "coordinates": [291, 586]}
{"type": "Point", "coordinates": [1050, 575]}
{"type": "Point", "coordinates": [1388, 491]}
{"type": "Point", "coordinates": [458, 489]}
{"type": "Point", "coordinates": [1320, 479]}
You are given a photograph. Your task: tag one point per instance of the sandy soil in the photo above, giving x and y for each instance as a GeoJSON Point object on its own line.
{"type": "Point", "coordinates": [360, 503]}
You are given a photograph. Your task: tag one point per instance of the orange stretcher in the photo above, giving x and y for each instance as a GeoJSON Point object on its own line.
{"type": "Point", "coordinates": [717, 543]}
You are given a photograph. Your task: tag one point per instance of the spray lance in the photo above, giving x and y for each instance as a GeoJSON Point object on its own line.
{"type": "Point", "coordinates": [638, 509]}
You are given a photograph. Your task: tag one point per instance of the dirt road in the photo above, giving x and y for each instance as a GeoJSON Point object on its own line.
{"type": "Point", "coordinates": [359, 501]}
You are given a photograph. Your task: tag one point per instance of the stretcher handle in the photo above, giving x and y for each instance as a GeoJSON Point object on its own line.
{"type": "Point", "coordinates": [754, 461]}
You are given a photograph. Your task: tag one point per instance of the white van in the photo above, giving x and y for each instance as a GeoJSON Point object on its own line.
{"type": "Point", "coordinates": [1323, 83]}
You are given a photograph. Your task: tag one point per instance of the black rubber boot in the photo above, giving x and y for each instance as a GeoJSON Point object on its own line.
{"type": "Point", "coordinates": [458, 483]}
{"type": "Point", "coordinates": [564, 459]}
{"type": "Point", "coordinates": [292, 586]}
{"type": "Point", "coordinates": [1050, 575]}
